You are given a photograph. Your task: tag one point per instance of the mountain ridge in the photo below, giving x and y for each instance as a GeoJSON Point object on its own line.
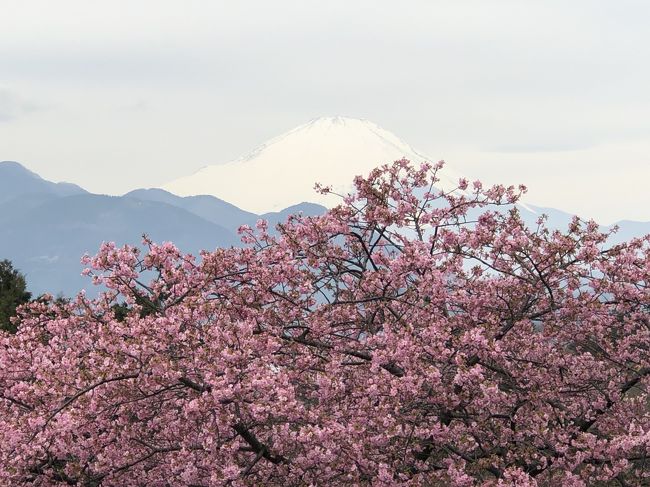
{"type": "Point", "coordinates": [45, 231]}
{"type": "Point", "coordinates": [16, 179]}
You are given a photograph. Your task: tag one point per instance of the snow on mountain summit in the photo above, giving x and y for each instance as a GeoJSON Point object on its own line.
{"type": "Point", "coordinates": [282, 172]}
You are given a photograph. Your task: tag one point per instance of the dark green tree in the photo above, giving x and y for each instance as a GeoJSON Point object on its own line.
{"type": "Point", "coordinates": [13, 293]}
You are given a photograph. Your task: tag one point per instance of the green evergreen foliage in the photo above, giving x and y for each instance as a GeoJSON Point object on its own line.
{"type": "Point", "coordinates": [145, 307]}
{"type": "Point", "coordinates": [13, 293]}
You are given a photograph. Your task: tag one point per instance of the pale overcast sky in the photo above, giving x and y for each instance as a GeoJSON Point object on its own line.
{"type": "Point", "coordinates": [119, 94]}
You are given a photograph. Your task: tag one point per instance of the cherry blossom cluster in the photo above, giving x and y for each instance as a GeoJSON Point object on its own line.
{"type": "Point", "coordinates": [409, 336]}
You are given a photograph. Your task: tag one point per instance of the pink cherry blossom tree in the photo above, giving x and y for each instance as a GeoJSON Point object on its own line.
{"type": "Point", "coordinates": [409, 336]}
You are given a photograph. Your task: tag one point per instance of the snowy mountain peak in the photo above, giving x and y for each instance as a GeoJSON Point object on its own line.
{"type": "Point", "coordinates": [336, 120]}
{"type": "Point", "coordinates": [282, 172]}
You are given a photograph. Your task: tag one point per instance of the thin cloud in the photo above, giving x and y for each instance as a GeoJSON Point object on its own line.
{"type": "Point", "coordinates": [137, 106]}
{"type": "Point", "coordinates": [12, 106]}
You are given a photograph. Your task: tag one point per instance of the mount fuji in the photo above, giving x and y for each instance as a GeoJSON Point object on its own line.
{"type": "Point", "coordinates": [332, 151]}
{"type": "Point", "coordinates": [282, 172]}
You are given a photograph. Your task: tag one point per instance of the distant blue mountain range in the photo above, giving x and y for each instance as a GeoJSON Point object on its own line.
{"type": "Point", "coordinates": [46, 227]}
